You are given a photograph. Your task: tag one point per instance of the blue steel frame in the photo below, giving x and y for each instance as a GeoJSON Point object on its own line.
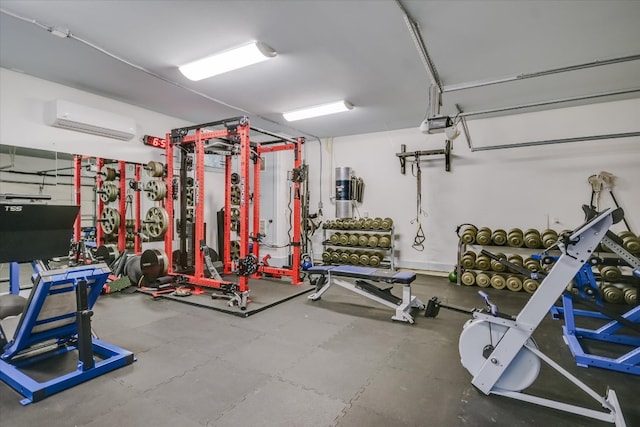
{"type": "Point", "coordinates": [51, 283]}
{"type": "Point", "coordinates": [628, 362]}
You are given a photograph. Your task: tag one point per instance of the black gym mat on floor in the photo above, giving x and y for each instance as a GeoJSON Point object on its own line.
{"type": "Point", "coordinates": [264, 293]}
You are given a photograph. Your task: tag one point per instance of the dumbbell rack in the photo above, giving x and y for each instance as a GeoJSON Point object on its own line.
{"type": "Point", "coordinates": [387, 262]}
{"type": "Point", "coordinates": [506, 249]}
{"type": "Point", "coordinates": [509, 250]}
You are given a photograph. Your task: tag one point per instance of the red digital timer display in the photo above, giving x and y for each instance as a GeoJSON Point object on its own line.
{"type": "Point", "coordinates": [154, 141]}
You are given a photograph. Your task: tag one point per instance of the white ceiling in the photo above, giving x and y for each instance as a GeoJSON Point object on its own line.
{"type": "Point", "coordinates": [358, 50]}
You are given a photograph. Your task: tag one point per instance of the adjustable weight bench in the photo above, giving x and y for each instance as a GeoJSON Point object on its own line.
{"type": "Point", "coordinates": [56, 321]}
{"type": "Point", "coordinates": [339, 275]}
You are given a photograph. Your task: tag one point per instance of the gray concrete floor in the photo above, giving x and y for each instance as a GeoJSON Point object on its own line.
{"type": "Point", "coordinates": [339, 361]}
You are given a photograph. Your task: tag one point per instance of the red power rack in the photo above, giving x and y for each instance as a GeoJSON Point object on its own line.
{"type": "Point", "coordinates": [190, 143]}
{"type": "Point", "coordinates": [122, 201]}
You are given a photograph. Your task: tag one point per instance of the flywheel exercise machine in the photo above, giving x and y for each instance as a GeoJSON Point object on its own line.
{"type": "Point", "coordinates": [498, 349]}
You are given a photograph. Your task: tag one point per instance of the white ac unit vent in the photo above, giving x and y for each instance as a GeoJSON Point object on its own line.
{"type": "Point", "coordinates": [67, 115]}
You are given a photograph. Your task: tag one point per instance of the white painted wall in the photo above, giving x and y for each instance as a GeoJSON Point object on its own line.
{"type": "Point", "coordinates": [525, 187]}
{"type": "Point", "coordinates": [22, 125]}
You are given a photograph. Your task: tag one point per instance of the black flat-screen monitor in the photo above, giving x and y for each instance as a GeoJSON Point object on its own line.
{"type": "Point", "coordinates": [31, 232]}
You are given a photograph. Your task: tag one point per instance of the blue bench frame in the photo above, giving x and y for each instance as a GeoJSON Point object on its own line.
{"type": "Point", "coordinates": [337, 275]}
{"type": "Point", "coordinates": [37, 325]}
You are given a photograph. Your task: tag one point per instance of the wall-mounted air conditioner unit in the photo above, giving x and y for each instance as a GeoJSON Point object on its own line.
{"type": "Point", "coordinates": [67, 115]}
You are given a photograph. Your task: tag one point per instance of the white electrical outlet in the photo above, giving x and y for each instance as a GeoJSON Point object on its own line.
{"type": "Point", "coordinates": [263, 227]}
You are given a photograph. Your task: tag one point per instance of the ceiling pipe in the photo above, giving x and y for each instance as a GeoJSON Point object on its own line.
{"type": "Point", "coordinates": [68, 34]}
{"type": "Point", "coordinates": [523, 76]}
{"type": "Point", "coordinates": [416, 35]}
{"type": "Point", "coordinates": [556, 141]}
{"type": "Point", "coordinates": [550, 102]}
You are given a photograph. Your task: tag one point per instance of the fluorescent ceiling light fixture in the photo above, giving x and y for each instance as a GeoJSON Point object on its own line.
{"type": "Point", "coordinates": [232, 59]}
{"type": "Point", "coordinates": [318, 110]}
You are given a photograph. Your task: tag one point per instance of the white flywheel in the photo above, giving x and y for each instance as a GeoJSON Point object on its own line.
{"type": "Point", "coordinates": [477, 335]}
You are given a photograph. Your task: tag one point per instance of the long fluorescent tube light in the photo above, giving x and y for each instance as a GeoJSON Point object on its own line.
{"type": "Point", "coordinates": [318, 110]}
{"type": "Point", "coordinates": [228, 60]}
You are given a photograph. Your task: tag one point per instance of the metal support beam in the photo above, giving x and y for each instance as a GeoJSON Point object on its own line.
{"type": "Point", "coordinates": [550, 102]}
{"type": "Point", "coordinates": [523, 76]}
{"type": "Point", "coordinates": [557, 141]}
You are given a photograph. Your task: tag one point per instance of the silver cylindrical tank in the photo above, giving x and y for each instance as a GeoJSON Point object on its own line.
{"type": "Point", "coordinates": [344, 208]}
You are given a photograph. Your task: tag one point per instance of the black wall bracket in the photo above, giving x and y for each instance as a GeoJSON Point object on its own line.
{"type": "Point", "coordinates": [417, 154]}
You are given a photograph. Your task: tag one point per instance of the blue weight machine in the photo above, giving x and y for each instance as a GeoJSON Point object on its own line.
{"type": "Point", "coordinates": [56, 318]}
{"type": "Point", "coordinates": [613, 330]}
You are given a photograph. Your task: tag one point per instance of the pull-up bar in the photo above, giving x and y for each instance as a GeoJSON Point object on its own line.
{"type": "Point", "coordinates": [417, 154]}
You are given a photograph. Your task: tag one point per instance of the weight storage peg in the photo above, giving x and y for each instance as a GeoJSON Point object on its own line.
{"type": "Point", "coordinates": [156, 222]}
{"type": "Point", "coordinates": [108, 192]}
{"type": "Point", "coordinates": [110, 220]}
{"type": "Point", "coordinates": [155, 190]}
{"type": "Point", "coordinates": [154, 169]}
{"type": "Point", "coordinates": [110, 174]}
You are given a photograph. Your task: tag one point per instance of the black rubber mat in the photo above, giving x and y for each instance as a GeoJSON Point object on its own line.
{"type": "Point", "coordinates": [264, 293]}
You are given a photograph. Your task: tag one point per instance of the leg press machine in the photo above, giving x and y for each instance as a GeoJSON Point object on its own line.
{"type": "Point", "coordinates": [56, 320]}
